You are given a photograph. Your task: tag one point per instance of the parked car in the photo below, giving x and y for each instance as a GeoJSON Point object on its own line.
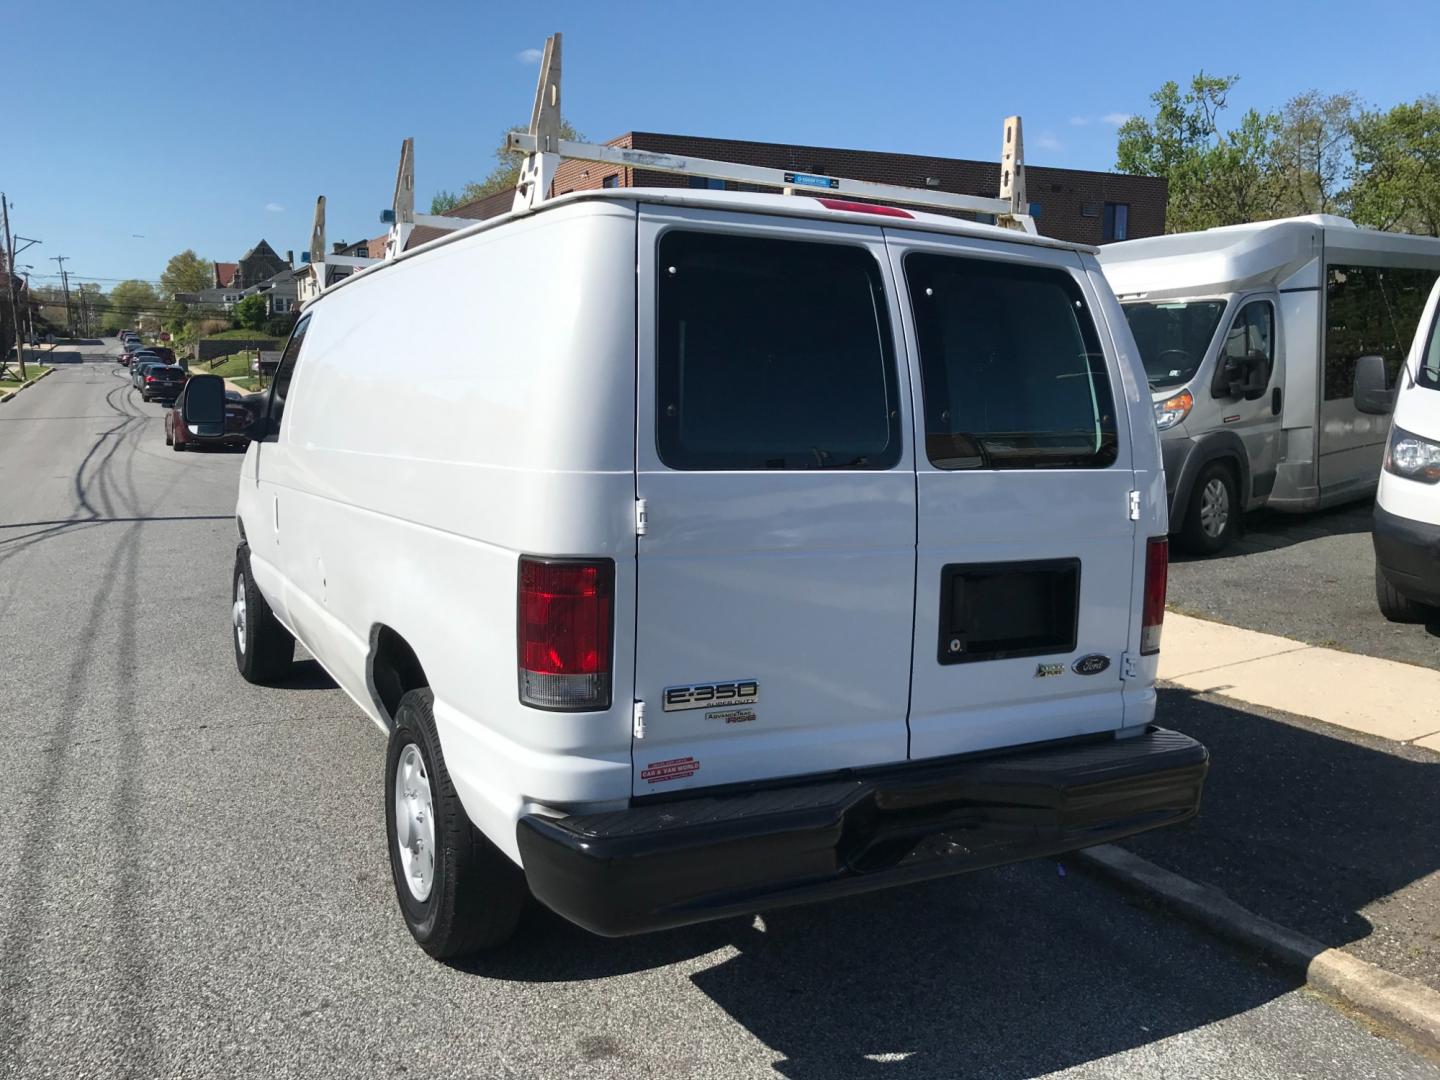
{"type": "Point", "coordinates": [162, 382]}
{"type": "Point", "coordinates": [163, 352]}
{"type": "Point", "coordinates": [1251, 335]}
{"type": "Point", "coordinates": [1406, 531]}
{"type": "Point", "coordinates": [128, 351]}
{"type": "Point", "coordinates": [823, 550]}
{"type": "Point", "coordinates": [140, 363]}
{"type": "Point", "coordinates": [217, 417]}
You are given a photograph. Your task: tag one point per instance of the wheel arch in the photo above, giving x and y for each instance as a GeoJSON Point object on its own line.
{"type": "Point", "coordinates": [1224, 446]}
{"type": "Point", "coordinates": [392, 669]}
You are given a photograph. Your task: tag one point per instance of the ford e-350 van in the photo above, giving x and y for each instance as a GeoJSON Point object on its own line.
{"type": "Point", "coordinates": [720, 551]}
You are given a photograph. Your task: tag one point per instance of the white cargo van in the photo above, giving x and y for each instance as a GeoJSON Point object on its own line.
{"type": "Point", "coordinates": [1251, 336]}
{"type": "Point", "coordinates": [1407, 506]}
{"type": "Point", "coordinates": [703, 552]}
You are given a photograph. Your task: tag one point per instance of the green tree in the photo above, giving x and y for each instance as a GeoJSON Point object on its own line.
{"type": "Point", "coordinates": [186, 273]}
{"type": "Point", "coordinates": [501, 178]}
{"type": "Point", "coordinates": [1215, 177]}
{"type": "Point", "coordinates": [126, 303]}
{"type": "Point", "coordinates": [250, 312]}
{"type": "Point", "coordinates": [1396, 179]}
{"type": "Point", "coordinates": [1311, 153]}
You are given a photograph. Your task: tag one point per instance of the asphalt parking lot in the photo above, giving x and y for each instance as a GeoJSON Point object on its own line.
{"type": "Point", "coordinates": [193, 877]}
{"type": "Point", "coordinates": [1307, 576]}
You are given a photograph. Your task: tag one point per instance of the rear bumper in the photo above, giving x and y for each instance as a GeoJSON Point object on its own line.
{"type": "Point", "coordinates": [1408, 554]}
{"type": "Point", "coordinates": [663, 864]}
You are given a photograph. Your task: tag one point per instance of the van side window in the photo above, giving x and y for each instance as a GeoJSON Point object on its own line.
{"type": "Point", "coordinates": [1014, 375]}
{"type": "Point", "coordinates": [1370, 310]}
{"type": "Point", "coordinates": [773, 354]}
{"type": "Point", "coordinates": [1250, 339]}
{"type": "Point", "coordinates": [285, 372]}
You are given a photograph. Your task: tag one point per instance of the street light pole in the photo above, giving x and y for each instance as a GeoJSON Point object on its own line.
{"type": "Point", "coordinates": [10, 286]}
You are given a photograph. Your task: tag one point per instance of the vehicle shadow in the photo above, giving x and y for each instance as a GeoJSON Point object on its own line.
{"type": "Point", "coordinates": [1016, 972]}
{"type": "Point", "coordinates": [1308, 829]}
{"type": "Point", "coordinates": [1270, 530]}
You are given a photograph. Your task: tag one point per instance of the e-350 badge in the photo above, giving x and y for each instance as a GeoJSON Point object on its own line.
{"type": "Point", "coordinates": [711, 695]}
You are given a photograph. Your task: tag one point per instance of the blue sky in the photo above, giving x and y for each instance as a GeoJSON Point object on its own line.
{"type": "Point", "coordinates": [149, 127]}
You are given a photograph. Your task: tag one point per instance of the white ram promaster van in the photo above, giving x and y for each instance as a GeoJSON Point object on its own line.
{"type": "Point", "coordinates": [1251, 336]}
{"type": "Point", "coordinates": [1407, 505]}
{"type": "Point", "coordinates": [703, 552]}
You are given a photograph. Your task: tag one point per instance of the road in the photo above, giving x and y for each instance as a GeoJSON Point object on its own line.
{"type": "Point", "coordinates": [1304, 576]}
{"type": "Point", "coordinates": [193, 878]}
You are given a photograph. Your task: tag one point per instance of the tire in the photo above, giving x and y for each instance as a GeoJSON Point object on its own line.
{"type": "Point", "coordinates": [178, 447]}
{"type": "Point", "coordinates": [169, 440]}
{"type": "Point", "coordinates": [1212, 517]}
{"type": "Point", "coordinates": [1396, 606]}
{"type": "Point", "coordinates": [264, 650]}
{"type": "Point", "coordinates": [474, 894]}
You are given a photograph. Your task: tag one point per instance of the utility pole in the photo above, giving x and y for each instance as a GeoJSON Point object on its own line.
{"type": "Point", "coordinates": [65, 285]}
{"type": "Point", "coordinates": [10, 287]}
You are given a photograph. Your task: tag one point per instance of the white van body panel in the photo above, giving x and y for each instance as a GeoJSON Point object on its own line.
{"type": "Point", "coordinates": [1417, 410]}
{"type": "Point", "coordinates": [403, 499]}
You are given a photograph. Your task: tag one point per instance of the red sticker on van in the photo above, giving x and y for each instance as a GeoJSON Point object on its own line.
{"type": "Point", "coordinates": [657, 772]}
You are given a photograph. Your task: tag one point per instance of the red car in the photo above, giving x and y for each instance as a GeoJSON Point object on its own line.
{"type": "Point", "coordinates": [182, 436]}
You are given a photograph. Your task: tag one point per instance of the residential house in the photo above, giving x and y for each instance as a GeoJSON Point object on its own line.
{"type": "Point", "coordinates": [258, 264]}
{"type": "Point", "coordinates": [224, 274]}
{"type": "Point", "coordinates": [281, 291]}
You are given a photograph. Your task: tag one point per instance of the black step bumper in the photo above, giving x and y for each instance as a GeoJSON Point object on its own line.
{"type": "Point", "coordinates": [686, 860]}
{"type": "Point", "coordinates": [1408, 553]}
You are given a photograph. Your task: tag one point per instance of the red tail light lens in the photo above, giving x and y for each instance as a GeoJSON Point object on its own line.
{"type": "Point", "coordinates": [565, 632]}
{"type": "Point", "coordinates": [1157, 571]}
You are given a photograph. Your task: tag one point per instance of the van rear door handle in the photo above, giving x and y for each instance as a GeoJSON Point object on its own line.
{"type": "Point", "coordinates": [1275, 402]}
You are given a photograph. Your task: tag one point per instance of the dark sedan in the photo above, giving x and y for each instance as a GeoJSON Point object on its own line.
{"type": "Point", "coordinates": [162, 382]}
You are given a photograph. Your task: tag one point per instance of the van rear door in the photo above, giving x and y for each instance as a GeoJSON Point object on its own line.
{"type": "Point", "coordinates": [776, 569]}
{"type": "Point", "coordinates": [1026, 551]}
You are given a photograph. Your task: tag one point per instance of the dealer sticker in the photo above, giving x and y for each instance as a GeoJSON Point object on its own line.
{"type": "Point", "coordinates": [659, 772]}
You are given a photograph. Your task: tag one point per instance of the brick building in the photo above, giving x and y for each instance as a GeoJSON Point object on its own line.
{"type": "Point", "coordinates": [1068, 204]}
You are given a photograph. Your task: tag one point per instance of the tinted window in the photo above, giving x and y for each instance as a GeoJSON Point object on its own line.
{"type": "Point", "coordinates": [773, 354]}
{"type": "Point", "coordinates": [1370, 310]}
{"type": "Point", "coordinates": [1250, 339]}
{"type": "Point", "coordinates": [1173, 336]}
{"type": "Point", "coordinates": [1429, 373]}
{"type": "Point", "coordinates": [1013, 372]}
{"type": "Point", "coordinates": [284, 373]}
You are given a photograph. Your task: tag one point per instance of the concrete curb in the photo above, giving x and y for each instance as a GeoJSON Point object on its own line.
{"type": "Point", "coordinates": [1393, 999]}
{"type": "Point", "coordinates": [24, 386]}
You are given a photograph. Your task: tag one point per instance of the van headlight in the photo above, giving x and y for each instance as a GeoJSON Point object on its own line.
{"type": "Point", "coordinates": [1412, 457]}
{"type": "Point", "coordinates": [1172, 410]}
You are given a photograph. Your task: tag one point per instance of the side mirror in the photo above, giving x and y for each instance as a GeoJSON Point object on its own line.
{"type": "Point", "coordinates": [1371, 392]}
{"type": "Point", "coordinates": [205, 404]}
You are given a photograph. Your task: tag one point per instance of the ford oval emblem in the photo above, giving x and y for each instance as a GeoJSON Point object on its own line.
{"type": "Point", "coordinates": [1090, 665]}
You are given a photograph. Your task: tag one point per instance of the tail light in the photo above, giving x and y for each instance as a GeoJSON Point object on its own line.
{"type": "Point", "coordinates": [149, 378]}
{"type": "Point", "coordinates": [565, 633]}
{"type": "Point", "coordinates": [1157, 569]}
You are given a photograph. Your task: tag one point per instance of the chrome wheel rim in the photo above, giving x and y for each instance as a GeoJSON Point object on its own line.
{"type": "Point", "coordinates": [237, 612]}
{"type": "Point", "coordinates": [415, 822]}
{"type": "Point", "coordinates": [1214, 508]}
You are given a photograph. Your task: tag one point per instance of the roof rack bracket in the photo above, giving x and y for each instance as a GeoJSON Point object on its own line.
{"type": "Point", "coordinates": [537, 172]}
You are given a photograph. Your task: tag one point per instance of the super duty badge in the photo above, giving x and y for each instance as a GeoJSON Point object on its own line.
{"type": "Point", "coordinates": [709, 695]}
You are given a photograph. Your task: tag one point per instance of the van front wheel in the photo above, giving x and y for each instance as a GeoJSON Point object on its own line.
{"type": "Point", "coordinates": [1396, 606]}
{"type": "Point", "coordinates": [1213, 515]}
{"type": "Point", "coordinates": [459, 893]}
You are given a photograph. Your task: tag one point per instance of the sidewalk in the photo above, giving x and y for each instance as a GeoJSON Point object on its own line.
{"type": "Point", "coordinates": [1362, 693]}
{"type": "Point", "coordinates": [1322, 808]}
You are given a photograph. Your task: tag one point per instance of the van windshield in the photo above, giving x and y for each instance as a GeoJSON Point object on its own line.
{"type": "Point", "coordinates": [1173, 336]}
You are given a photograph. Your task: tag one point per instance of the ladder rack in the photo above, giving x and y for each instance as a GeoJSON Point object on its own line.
{"type": "Point", "coordinates": [544, 150]}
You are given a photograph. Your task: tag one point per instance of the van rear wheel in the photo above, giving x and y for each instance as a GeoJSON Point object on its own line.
{"type": "Point", "coordinates": [1213, 515]}
{"type": "Point", "coordinates": [459, 893]}
{"type": "Point", "coordinates": [1396, 606]}
{"type": "Point", "coordinates": [264, 650]}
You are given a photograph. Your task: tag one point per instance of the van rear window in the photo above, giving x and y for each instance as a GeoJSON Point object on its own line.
{"type": "Point", "coordinates": [773, 354]}
{"type": "Point", "coordinates": [1013, 372]}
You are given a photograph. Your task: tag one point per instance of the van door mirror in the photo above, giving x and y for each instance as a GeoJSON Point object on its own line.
{"type": "Point", "coordinates": [1371, 392]}
{"type": "Point", "coordinates": [204, 401]}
